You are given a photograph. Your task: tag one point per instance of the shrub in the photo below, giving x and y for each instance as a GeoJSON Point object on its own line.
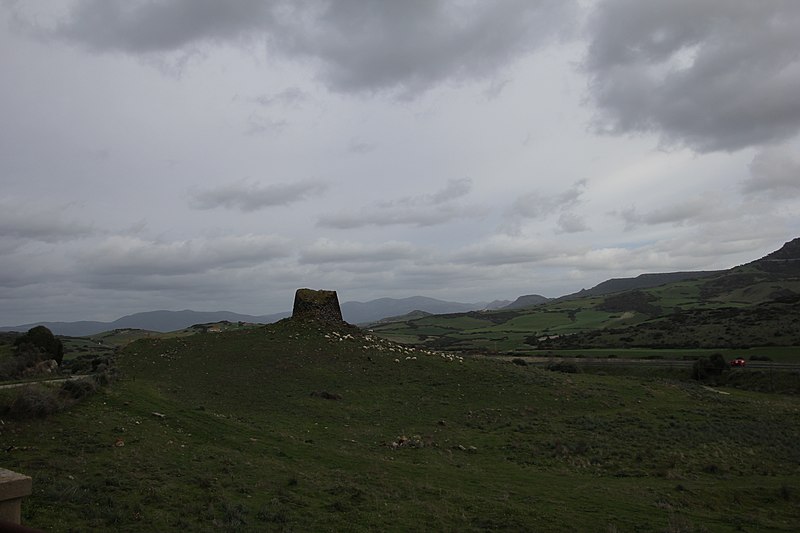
{"type": "Point", "coordinates": [78, 388]}
{"type": "Point", "coordinates": [26, 356]}
{"type": "Point", "coordinates": [564, 366]}
{"type": "Point", "coordinates": [710, 368]}
{"type": "Point", "coordinates": [34, 402]}
{"type": "Point", "coordinates": [43, 338]}
{"type": "Point", "coordinates": [519, 361]}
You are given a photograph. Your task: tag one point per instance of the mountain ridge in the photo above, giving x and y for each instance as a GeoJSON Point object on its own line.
{"type": "Point", "coordinates": [785, 260]}
{"type": "Point", "coordinates": [165, 320]}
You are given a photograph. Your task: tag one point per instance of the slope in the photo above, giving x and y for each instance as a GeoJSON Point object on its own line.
{"type": "Point", "coordinates": [296, 426]}
{"type": "Point", "coordinates": [750, 305]}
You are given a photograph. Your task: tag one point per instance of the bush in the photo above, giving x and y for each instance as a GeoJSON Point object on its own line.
{"type": "Point", "coordinates": [519, 361]}
{"type": "Point", "coordinates": [564, 366]}
{"type": "Point", "coordinates": [34, 402]}
{"type": "Point", "coordinates": [710, 368]}
{"type": "Point", "coordinates": [43, 338]}
{"type": "Point", "coordinates": [26, 356]}
{"type": "Point", "coordinates": [78, 388]}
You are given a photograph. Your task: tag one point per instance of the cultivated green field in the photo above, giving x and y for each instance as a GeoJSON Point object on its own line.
{"type": "Point", "coordinates": [296, 427]}
{"type": "Point", "coordinates": [752, 307]}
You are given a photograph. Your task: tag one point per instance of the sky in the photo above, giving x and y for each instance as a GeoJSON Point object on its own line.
{"type": "Point", "coordinates": [196, 154]}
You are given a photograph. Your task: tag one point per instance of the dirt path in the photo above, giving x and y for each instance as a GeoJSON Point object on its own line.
{"type": "Point", "coordinates": [52, 380]}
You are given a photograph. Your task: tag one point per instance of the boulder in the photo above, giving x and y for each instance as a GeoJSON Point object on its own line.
{"type": "Point", "coordinates": [320, 306]}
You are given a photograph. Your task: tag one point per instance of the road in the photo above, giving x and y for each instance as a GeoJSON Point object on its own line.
{"type": "Point", "coordinates": [49, 380]}
{"type": "Point", "coordinates": [620, 361]}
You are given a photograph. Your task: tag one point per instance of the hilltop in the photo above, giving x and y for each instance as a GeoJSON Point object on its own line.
{"type": "Point", "coordinates": [747, 306]}
{"type": "Point", "coordinates": [305, 425]}
{"type": "Point", "coordinates": [166, 321]}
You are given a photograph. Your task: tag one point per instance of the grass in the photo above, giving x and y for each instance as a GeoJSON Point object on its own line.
{"type": "Point", "coordinates": [245, 445]}
{"type": "Point", "coordinates": [743, 308]}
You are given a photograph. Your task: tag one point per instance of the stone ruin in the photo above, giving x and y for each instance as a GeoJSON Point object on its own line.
{"type": "Point", "coordinates": [320, 306]}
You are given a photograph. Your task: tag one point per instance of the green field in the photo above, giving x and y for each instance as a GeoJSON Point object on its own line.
{"type": "Point", "coordinates": [745, 308]}
{"type": "Point", "coordinates": [297, 427]}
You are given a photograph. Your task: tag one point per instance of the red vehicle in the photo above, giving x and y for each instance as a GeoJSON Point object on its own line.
{"type": "Point", "coordinates": [738, 362]}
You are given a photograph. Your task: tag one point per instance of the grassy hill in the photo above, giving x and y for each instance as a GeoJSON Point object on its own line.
{"type": "Point", "coordinates": [754, 305]}
{"type": "Point", "coordinates": [304, 427]}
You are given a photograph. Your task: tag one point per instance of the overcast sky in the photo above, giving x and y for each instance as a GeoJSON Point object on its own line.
{"type": "Point", "coordinates": [172, 154]}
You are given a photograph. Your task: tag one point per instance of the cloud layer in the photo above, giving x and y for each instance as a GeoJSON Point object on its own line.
{"type": "Point", "coordinates": [249, 197]}
{"type": "Point", "coordinates": [218, 155]}
{"type": "Point", "coordinates": [359, 46]}
{"type": "Point", "coordinates": [711, 75]}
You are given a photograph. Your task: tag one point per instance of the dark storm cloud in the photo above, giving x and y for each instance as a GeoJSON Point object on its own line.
{"type": "Point", "coordinates": [405, 46]}
{"type": "Point", "coordinates": [139, 27]}
{"type": "Point", "coordinates": [423, 210]}
{"type": "Point", "coordinates": [711, 74]}
{"type": "Point", "coordinates": [249, 197]}
{"type": "Point", "coordinates": [775, 173]}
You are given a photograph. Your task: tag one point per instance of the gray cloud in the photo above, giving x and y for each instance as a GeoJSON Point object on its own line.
{"type": "Point", "coordinates": [356, 146]}
{"type": "Point", "coordinates": [132, 256]}
{"type": "Point", "coordinates": [774, 172]}
{"type": "Point", "coordinates": [422, 210]}
{"type": "Point", "coordinates": [711, 75]}
{"type": "Point", "coordinates": [537, 206]}
{"type": "Point", "coordinates": [289, 96]}
{"type": "Point", "coordinates": [326, 251]}
{"type": "Point", "coordinates": [503, 250]}
{"type": "Point", "coordinates": [681, 213]}
{"type": "Point", "coordinates": [24, 220]}
{"type": "Point", "coordinates": [252, 197]}
{"type": "Point", "coordinates": [571, 223]}
{"type": "Point", "coordinates": [260, 125]}
{"type": "Point", "coordinates": [146, 27]}
{"type": "Point", "coordinates": [405, 47]}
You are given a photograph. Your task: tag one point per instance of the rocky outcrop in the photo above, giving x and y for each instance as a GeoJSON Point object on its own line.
{"type": "Point", "coordinates": [320, 306]}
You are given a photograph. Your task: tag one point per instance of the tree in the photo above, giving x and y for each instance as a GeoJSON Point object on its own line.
{"type": "Point", "coordinates": [710, 368]}
{"type": "Point", "coordinates": [42, 338]}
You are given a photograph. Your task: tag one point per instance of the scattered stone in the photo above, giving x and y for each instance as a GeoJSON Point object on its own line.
{"type": "Point", "coordinates": [158, 415]}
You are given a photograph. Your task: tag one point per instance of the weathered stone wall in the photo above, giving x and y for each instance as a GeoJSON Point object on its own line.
{"type": "Point", "coordinates": [321, 306]}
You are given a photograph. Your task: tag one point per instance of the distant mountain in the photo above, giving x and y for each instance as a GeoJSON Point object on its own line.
{"type": "Point", "coordinates": [496, 304]}
{"type": "Point", "coordinates": [374, 310]}
{"type": "Point", "coordinates": [413, 315]}
{"type": "Point", "coordinates": [748, 306]}
{"type": "Point", "coordinates": [790, 251]}
{"type": "Point", "coordinates": [528, 300]}
{"type": "Point", "coordinates": [642, 281]}
{"type": "Point", "coordinates": [163, 321]}
{"type": "Point", "coordinates": [153, 320]}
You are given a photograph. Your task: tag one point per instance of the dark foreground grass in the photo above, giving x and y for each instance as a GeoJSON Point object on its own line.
{"type": "Point", "coordinates": [244, 432]}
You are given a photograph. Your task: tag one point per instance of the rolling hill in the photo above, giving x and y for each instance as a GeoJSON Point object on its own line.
{"type": "Point", "coordinates": [299, 426]}
{"type": "Point", "coordinates": [165, 321]}
{"type": "Point", "coordinates": [751, 305]}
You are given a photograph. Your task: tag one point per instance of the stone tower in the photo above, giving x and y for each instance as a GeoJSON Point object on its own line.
{"type": "Point", "coordinates": [322, 306]}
